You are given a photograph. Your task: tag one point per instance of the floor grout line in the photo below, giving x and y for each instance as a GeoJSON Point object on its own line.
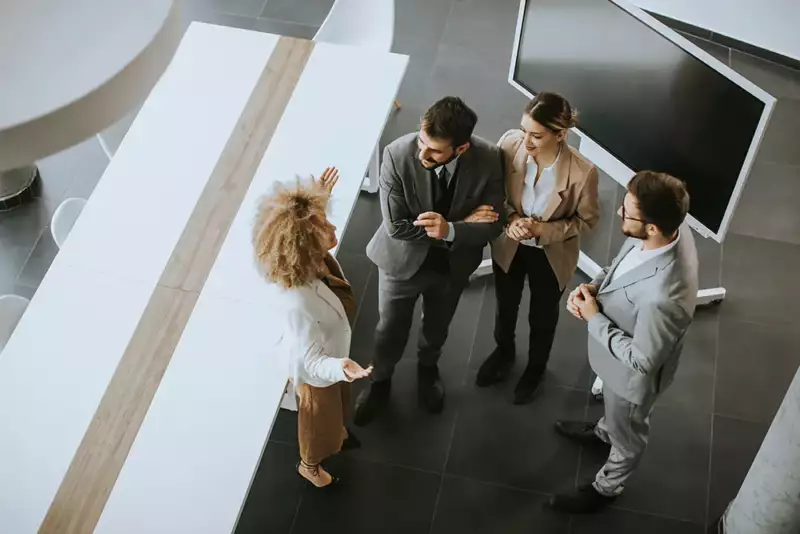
{"type": "Point", "coordinates": [455, 419]}
{"type": "Point", "coordinates": [713, 409]}
{"type": "Point", "coordinates": [263, 7]}
{"type": "Point", "coordinates": [441, 35]}
{"type": "Point", "coordinates": [741, 419]}
{"type": "Point", "coordinates": [444, 473]}
{"type": "Point", "coordinates": [498, 485]}
{"type": "Point", "coordinates": [296, 512]}
{"type": "Point", "coordinates": [652, 514]}
{"type": "Point", "coordinates": [759, 322]}
{"type": "Point", "coordinates": [363, 295]}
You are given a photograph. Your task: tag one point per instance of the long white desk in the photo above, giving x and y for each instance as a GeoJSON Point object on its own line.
{"type": "Point", "coordinates": [194, 454]}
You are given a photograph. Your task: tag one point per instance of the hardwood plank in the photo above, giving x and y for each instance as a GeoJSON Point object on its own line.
{"type": "Point", "coordinates": [203, 236]}
{"type": "Point", "coordinates": [83, 493]}
{"type": "Point", "coordinates": [99, 458]}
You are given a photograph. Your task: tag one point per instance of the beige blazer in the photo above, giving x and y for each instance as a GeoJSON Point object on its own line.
{"type": "Point", "coordinates": [572, 209]}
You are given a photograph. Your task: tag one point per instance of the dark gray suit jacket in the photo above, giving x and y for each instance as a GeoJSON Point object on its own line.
{"type": "Point", "coordinates": [406, 190]}
{"type": "Point", "coordinates": [635, 342]}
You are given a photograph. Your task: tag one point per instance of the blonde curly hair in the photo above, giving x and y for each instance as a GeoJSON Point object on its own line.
{"type": "Point", "coordinates": [289, 234]}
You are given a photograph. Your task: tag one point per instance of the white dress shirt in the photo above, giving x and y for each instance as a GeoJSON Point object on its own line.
{"type": "Point", "coordinates": [638, 256]}
{"type": "Point", "coordinates": [536, 193]}
{"type": "Point", "coordinates": [451, 169]}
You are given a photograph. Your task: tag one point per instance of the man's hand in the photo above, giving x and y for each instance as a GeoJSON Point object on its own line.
{"type": "Point", "coordinates": [574, 297]}
{"type": "Point", "coordinates": [353, 371]}
{"type": "Point", "coordinates": [591, 288]}
{"type": "Point", "coordinates": [435, 225]}
{"type": "Point", "coordinates": [587, 305]}
{"type": "Point", "coordinates": [483, 214]}
{"type": "Point", "coordinates": [328, 179]}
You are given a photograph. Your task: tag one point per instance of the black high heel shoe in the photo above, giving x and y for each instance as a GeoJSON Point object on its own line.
{"type": "Point", "coordinates": [315, 471]}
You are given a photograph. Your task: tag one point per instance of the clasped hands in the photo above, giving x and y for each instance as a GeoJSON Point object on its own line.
{"type": "Point", "coordinates": [436, 225]}
{"type": "Point", "coordinates": [582, 302]}
{"type": "Point", "coordinates": [522, 228]}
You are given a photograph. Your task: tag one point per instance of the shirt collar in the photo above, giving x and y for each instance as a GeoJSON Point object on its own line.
{"type": "Point", "coordinates": [530, 159]}
{"type": "Point", "coordinates": [451, 167]}
{"type": "Point", "coordinates": [645, 255]}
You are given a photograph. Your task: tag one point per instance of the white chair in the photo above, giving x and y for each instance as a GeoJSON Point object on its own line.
{"type": "Point", "coordinates": [112, 137]}
{"type": "Point", "coordinates": [12, 307]}
{"type": "Point", "coordinates": [365, 23]}
{"type": "Point", "coordinates": [64, 219]}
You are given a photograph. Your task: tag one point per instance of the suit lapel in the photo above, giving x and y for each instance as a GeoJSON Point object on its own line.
{"type": "Point", "coordinates": [462, 176]}
{"type": "Point", "coordinates": [626, 247]}
{"type": "Point", "coordinates": [516, 179]}
{"type": "Point", "coordinates": [562, 181]}
{"type": "Point", "coordinates": [330, 298]}
{"type": "Point", "coordinates": [643, 271]}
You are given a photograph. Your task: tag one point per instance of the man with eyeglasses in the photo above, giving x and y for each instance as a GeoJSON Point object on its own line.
{"type": "Point", "coordinates": [637, 311]}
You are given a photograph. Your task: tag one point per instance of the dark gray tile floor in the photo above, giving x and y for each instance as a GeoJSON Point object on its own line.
{"type": "Point", "coordinates": [484, 465]}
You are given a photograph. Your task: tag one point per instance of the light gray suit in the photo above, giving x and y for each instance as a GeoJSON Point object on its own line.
{"type": "Point", "coordinates": [400, 249]}
{"type": "Point", "coordinates": [635, 343]}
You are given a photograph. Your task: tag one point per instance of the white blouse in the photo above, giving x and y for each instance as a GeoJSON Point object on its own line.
{"type": "Point", "coordinates": [536, 194]}
{"type": "Point", "coordinates": [317, 335]}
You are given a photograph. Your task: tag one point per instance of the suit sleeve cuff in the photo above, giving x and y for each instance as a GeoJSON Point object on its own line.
{"type": "Point", "coordinates": [451, 233]}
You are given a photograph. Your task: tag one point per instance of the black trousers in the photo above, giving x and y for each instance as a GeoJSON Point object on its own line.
{"type": "Point", "coordinates": [530, 262]}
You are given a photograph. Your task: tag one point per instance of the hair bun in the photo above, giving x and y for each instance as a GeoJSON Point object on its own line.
{"type": "Point", "coordinates": [573, 118]}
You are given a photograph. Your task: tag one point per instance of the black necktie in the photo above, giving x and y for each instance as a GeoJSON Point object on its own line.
{"type": "Point", "coordinates": [443, 182]}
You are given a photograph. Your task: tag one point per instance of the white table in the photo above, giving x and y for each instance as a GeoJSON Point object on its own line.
{"type": "Point", "coordinates": [71, 69]}
{"type": "Point", "coordinates": [196, 451]}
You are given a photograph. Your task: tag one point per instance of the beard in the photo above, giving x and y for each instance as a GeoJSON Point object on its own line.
{"type": "Point", "coordinates": [431, 165]}
{"type": "Point", "coordinates": [641, 234]}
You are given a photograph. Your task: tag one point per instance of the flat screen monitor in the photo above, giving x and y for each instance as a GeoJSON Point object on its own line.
{"type": "Point", "coordinates": [647, 96]}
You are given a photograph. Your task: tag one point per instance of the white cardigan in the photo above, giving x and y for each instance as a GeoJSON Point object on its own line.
{"type": "Point", "coordinates": [317, 335]}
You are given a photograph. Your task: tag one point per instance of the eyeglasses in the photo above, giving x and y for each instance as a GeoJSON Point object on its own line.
{"type": "Point", "coordinates": [625, 216]}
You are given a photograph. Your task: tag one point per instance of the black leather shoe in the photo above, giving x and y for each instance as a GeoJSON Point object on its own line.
{"type": "Point", "coordinates": [351, 442]}
{"type": "Point", "coordinates": [430, 388]}
{"type": "Point", "coordinates": [496, 367]}
{"type": "Point", "coordinates": [584, 500]}
{"type": "Point", "coordinates": [528, 385]}
{"type": "Point", "coordinates": [372, 401]}
{"type": "Point", "coordinates": [580, 431]}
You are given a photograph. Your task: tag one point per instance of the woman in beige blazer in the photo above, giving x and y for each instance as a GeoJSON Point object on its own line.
{"type": "Point", "coordinates": [292, 237]}
{"type": "Point", "coordinates": [551, 198]}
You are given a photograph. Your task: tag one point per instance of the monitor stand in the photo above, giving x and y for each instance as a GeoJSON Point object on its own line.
{"type": "Point", "coordinates": [621, 174]}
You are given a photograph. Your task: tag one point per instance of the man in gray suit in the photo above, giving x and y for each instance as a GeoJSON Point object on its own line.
{"type": "Point", "coordinates": [441, 193]}
{"type": "Point", "coordinates": [638, 312]}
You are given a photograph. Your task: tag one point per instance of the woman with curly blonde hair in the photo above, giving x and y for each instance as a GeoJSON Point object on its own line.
{"type": "Point", "coordinates": [292, 238]}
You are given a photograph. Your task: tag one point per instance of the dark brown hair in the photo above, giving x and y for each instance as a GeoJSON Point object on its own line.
{"type": "Point", "coordinates": [552, 111]}
{"type": "Point", "coordinates": [450, 119]}
{"type": "Point", "coordinates": [662, 199]}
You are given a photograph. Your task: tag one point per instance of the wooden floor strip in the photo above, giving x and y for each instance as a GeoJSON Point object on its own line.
{"type": "Point", "coordinates": [91, 476]}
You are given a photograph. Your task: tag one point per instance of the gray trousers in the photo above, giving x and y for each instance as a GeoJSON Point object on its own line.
{"type": "Point", "coordinates": [396, 301]}
{"type": "Point", "coordinates": [626, 427]}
